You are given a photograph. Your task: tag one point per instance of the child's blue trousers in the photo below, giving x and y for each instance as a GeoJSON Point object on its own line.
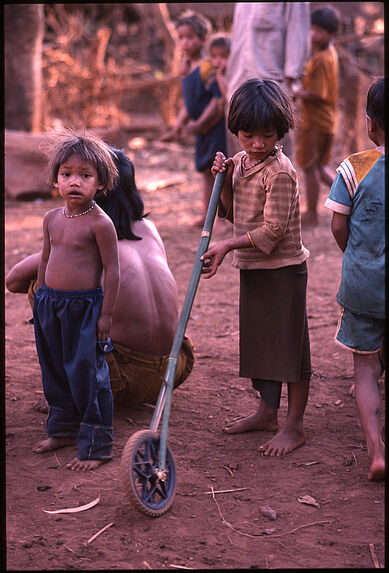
{"type": "Point", "coordinates": [75, 374]}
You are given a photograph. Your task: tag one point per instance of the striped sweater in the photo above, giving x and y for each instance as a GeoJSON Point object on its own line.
{"type": "Point", "coordinates": [266, 205]}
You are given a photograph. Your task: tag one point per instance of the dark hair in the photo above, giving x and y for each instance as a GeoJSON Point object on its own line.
{"type": "Point", "coordinates": [220, 42]}
{"type": "Point", "coordinates": [260, 105]}
{"type": "Point", "coordinates": [198, 24]}
{"type": "Point", "coordinates": [327, 18]}
{"type": "Point", "coordinates": [123, 203]}
{"type": "Point", "coordinates": [88, 146]}
{"type": "Point", "coordinates": [375, 103]}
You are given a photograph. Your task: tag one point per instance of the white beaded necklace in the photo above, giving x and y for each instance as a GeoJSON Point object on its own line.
{"type": "Point", "coordinates": [79, 214]}
{"type": "Point", "coordinates": [244, 158]}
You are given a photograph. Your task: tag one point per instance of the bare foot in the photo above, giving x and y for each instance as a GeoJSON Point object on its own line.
{"type": "Point", "coordinates": [283, 443]}
{"type": "Point", "coordinates": [252, 423]}
{"type": "Point", "coordinates": [51, 444]}
{"type": "Point", "coordinates": [377, 470]}
{"type": "Point", "coordinates": [41, 406]}
{"type": "Point", "coordinates": [84, 465]}
{"type": "Point", "coordinates": [309, 219]}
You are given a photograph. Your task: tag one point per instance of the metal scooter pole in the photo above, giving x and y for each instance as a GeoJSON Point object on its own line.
{"type": "Point", "coordinates": [165, 395]}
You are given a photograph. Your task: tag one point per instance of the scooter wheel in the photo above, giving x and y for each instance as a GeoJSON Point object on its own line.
{"type": "Point", "coordinates": [150, 491]}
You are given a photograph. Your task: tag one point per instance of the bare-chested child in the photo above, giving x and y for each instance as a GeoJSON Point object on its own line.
{"type": "Point", "coordinates": [72, 310]}
{"type": "Point", "coordinates": [145, 317]}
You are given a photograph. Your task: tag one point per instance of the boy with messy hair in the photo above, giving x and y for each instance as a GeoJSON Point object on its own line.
{"type": "Point", "coordinates": [357, 202]}
{"type": "Point", "coordinates": [72, 312]}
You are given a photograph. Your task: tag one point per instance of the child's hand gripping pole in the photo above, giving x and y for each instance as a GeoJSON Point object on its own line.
{"type": "Point", "coordinates": [164, 399]}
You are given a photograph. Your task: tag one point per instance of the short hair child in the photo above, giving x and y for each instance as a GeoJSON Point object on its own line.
{"type": "Point", "coordinates": [219, 51]}
{"type": "Point", "coordinates": [197, 23]}
{"type": "Point", "coordinates": [326, 17]}
{"type": "Point", "coordinates": [319, 113]}
{"type": "Point", "coordinates": [375, 103]}
{"type": "Point", "coordinates": [357, 201]}
{"type": "Point", "coordinates": [260, 197]}
{"type": "Point", "coordinates": [87, 146]}
{"type": "Point", "coordinates": [72, 312]}
{"type": "Point", "coordinates": [260, 105]}
{"type": "Point", "coordinates": [220, 41]}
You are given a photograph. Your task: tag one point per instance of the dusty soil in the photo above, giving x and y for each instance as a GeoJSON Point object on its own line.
{"type": "Point", "coordinates": [200, 531]}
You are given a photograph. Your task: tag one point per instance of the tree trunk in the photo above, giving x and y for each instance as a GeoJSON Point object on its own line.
{"type": "Point", "coordinates": [24, 29]}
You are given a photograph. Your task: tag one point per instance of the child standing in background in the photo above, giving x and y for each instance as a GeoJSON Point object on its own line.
{"type": "Point", "coordinates": [219, 52]}
{"type": "Point", "coordinates": [201, 114]}
{"type": "Point", "coordinates": [319, 98]}
{"type": "Point", "coordinates": [357, 202]}
{"type": "Point", "coordinates": [72, 312]}
{"type": "Point", "coordinates": [260, 197]}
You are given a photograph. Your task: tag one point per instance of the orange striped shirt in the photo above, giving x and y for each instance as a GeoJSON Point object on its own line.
{"type": "Point", "coordinates": [266, 205]}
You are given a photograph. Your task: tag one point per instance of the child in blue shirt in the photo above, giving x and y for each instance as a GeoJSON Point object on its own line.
{"type": "Point", "coordinates": [357, 200]}
{"type": "Point", "coordinates": [203, 111]}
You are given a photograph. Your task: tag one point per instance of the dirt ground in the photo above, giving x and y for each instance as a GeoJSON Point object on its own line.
{"type": "Point", "coordinates": [227, 530]}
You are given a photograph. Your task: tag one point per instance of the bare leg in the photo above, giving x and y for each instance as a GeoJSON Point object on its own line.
{"type": "Point", "coordinates": [367, 370]}
{"type": "Point", "coordinates": [265, 418]}
{"type": "Point", "coordinates": [84, 465]}
{"type": "Point", "coordinates": [51, 444]}
{"type": "Point", "coordinates": [382, 360]}
{"type": "Point", "coordinates": [312, 188]}
{"type": "Point", "coordinates": [291, 435]}
{"type": "Point", "coordinates": [207, 191]}
{"type": "Point", "coordinates": [327, 175]}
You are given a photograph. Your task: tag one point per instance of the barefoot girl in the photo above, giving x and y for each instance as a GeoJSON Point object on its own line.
{"type": "Point", "coordinates": [260, 197]}
{"type": "Point", "coordinates": [72, 312]}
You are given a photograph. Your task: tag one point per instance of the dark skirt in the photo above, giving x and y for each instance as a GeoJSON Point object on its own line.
{"type": "Point", "coordinates": [274, 339]}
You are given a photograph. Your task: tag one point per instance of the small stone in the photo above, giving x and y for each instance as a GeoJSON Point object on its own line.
{"type": "Point", "coordinates": [267, 511]}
